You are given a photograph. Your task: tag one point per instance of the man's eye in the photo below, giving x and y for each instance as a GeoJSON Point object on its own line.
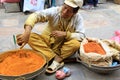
{"type": "Point", "coordinates": [65, 7]}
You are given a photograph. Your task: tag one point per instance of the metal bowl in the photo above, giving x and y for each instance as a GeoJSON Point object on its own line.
{"type": "Point", "coordinates": [99, 69]}
{"type": "Point", "coordinates": [27, 76]}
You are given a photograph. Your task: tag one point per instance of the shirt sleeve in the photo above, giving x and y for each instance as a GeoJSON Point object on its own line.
{"type": "Point", "coordinates": [40, 16]}
{"type": "Point", "coordinates": [79, 29]}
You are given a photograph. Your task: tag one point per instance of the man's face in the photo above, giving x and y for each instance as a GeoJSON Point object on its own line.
{"type": "Point", "coordinates": [67, 11]}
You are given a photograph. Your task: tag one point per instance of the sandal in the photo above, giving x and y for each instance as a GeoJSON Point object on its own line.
{"type": "Point", "coordinates": [54, 67]}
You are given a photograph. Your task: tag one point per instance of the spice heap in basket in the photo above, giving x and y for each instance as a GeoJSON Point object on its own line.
{"type": "Point", "coordinates": [20, 62]}
{"type": "Point", "coordinates": [94, 47]}
{"type": "Point", "coordinates": [97, 52]}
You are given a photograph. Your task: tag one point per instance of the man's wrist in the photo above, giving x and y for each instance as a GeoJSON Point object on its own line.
{"type": "Point", "coordinates": [68, 34]}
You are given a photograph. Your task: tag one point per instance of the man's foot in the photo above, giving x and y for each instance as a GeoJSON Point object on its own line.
{"type": "Point", "coordinates": [95, 5]}
{"type": "Point", "coordinates": [27, 12]}
{"type": "Point", "coordinates": [88, 7]}
{"type": "Point", "coordinates": [54, 67]}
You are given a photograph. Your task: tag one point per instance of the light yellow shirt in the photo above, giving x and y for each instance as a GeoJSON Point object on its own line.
{"type": "Point", "coordinates": [72, 26]}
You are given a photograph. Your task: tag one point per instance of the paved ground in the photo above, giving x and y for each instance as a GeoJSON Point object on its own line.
{"type": "Point", "coordinates": [100, 22]}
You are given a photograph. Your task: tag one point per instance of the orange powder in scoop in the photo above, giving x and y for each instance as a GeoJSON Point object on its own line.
{"type": "Point", "coordinates": [20, 62]}
{"type": "Point", "coordinates": [93, 47]}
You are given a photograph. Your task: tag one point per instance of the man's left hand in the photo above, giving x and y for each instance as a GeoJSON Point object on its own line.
{"type": "Point", "coordinates": [58, 34]}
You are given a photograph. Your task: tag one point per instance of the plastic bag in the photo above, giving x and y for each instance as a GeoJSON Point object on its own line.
{"type": "Point", "coordinates": [33, 5]}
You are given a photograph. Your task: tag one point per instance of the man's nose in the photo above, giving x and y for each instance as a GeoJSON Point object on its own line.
{"type": "Point", "coordinates": [65, 11]}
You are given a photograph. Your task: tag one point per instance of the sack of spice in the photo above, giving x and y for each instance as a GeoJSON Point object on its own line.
{"type": "Point", "coordinates": [94, 51]}
{"type": "Point", "coordinates": [114, 48]}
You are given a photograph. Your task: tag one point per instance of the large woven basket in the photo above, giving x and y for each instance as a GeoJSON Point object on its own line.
{"type": "Point", "coordinates": [27, 76]}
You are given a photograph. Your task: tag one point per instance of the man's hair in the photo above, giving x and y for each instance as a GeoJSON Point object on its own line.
{"type": "Point", "coordinates": [75, 10]}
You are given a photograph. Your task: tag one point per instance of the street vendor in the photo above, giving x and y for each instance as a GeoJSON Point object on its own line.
{"type": "Point", "coordinates": [60, 38]}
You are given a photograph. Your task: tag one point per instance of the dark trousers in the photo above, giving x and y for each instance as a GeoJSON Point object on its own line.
{"type": "Point", "coordinates": [21, 5]}
{"type": "Point", "coordinates": [93, 2]}
{"type": "Point", "coordinates": [85, 2]}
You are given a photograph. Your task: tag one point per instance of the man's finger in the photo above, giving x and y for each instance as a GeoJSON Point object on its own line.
{"type": "Point", "coordinates": [22, 45]}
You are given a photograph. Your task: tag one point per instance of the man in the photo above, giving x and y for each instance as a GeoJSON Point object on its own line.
{"type": "Point", "coordinates": [60, 38]}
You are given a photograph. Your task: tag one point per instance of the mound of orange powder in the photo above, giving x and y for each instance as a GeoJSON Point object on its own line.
{"type": "Point", "coordinates": [94, 47]}
{"type": "Point", "coordinates": [20, 62]}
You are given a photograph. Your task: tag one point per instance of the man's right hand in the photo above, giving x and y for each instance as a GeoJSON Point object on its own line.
{"type": "Point", "coordinates": [23, 39]}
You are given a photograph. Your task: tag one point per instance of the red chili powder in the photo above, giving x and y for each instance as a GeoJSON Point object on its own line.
{"type": "Point", "coordinates": [94, 47]}
{"type": "Point", "coordinates": [20, 62]}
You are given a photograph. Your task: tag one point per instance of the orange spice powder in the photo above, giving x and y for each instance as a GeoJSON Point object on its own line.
{"type": "Point", "coordinates": [94, 47]}
{"type": "Point", "coordinates": [21, 62]}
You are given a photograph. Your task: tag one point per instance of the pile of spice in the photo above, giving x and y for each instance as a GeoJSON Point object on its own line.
{"type": "Point", "coordinates": [94, 47]}
{"type": "Point", "coordinates": [20, 62]}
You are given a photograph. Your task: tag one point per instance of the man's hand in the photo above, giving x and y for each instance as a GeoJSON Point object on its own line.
{"type": "Point", "coordinates": [22, 39]}
{"type": "Point", "coordinates": [58, 34]}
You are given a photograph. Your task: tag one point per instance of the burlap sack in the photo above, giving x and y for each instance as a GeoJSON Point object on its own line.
{"type": "Point", "coordinates": [114, 48]}
{"type": "Point", "coordinates": [93, 58]}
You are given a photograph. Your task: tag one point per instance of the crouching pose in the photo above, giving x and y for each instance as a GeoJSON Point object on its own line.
{"type": "Point", "coordinates": [60, 38]}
